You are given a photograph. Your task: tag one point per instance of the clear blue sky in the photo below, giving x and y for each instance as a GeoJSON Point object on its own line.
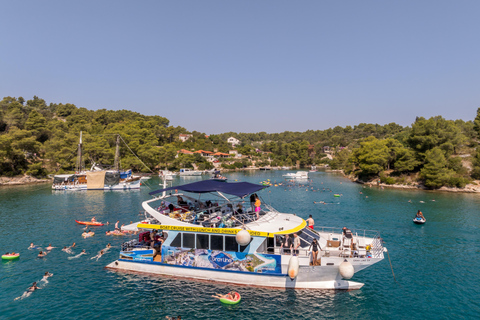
{"type": "Point", "coordinates": [248, 66]}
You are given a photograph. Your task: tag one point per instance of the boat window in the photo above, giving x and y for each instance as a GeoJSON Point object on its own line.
{"type": "Point", "coordinates": [231, 244]}
{"type": "Point", "coordinates": [188, 240]}
{"type": "Point", "coordinates": [242, 248]}
{"type": "Point", "coordinates": [216, 242]}
{"type": "Point", "coordinates": [202, 241]}
{"type": "Point", "coordinates": [177, 242]}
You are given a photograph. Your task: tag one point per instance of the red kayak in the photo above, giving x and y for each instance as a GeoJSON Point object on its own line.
{"type": "Point", "coordinates": [89, 223]}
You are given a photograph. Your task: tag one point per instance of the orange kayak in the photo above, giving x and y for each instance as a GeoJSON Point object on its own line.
{"type": "Point", "coordinates": [89, 223]}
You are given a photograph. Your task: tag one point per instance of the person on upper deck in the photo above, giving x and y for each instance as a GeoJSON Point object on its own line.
{"type": "Point", "coordinates": [310, 222]}
{"type": "Point", "coordinates": [252, 201]}
{"type": "Point", "coordinates": [258, 203]}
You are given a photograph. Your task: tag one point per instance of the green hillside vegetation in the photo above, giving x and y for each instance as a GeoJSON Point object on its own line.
{"type": "Point", "coordinates": [40, 139]}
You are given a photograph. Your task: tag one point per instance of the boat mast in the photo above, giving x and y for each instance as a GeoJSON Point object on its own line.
{"type": "Point", "coordinates": [116, 165]}
{"type": "Point", "coordinates": [79, 155]}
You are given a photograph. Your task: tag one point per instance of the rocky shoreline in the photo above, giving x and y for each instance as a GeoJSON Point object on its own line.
{"type": "Point", "coordinates": [21, 180]}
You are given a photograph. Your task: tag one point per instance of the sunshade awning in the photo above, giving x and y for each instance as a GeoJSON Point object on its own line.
{"type": "Point", "coordinates": [239, 189]}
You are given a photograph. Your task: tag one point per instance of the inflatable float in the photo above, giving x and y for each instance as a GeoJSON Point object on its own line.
{"type": "Point", "coordinates": [89, 223]}
{"type": "Point", "coordinates": [235, 301]}
{"type": "Point", "coordinates": [10, 256]}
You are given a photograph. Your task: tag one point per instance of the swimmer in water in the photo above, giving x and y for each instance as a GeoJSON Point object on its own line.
{"type": "Point", "coordinates": [46, 276]}
{"type": "Point", "coordinates": [29, 291]}
{"type": "Point", "coordinates": [32, 246]}
{"type": "Point", "coordinates": [78, 255]}
{"type": "Point", "coordinates": [73, 245]}
{"type": "Point", "coordinates": [67, 250]}
{"type": "Point", "coordinates": [49, 248]}
{"type": "Point", "coordinates": [101, 253]}
{"type": "Point", "coordinates": [41, 254]}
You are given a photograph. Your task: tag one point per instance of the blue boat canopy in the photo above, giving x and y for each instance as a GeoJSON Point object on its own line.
{"type": "Point", "coordinates": [239, 189]}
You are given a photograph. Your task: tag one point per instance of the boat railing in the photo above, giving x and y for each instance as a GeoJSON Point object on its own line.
{"type": "Point", "coordinates": [300, 252]}
{"type": "Point", "coordinates": [134, 244]}
{"type": "Point", "coordinates": [355, 232]}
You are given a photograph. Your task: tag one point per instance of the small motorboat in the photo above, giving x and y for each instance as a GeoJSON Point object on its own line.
{"type": "Point", "coordinates": [89, 223]}
{"type": "Point", "coordinates": [419, 220]}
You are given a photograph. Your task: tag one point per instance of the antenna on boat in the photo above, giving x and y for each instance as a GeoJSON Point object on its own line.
{"type": "Point", "coordinates": [116, 165]}
{"type": "Point", "coordinates": [79, 156]}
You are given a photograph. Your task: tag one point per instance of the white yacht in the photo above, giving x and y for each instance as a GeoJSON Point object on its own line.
{"type": "Point", "coordinates": [167, 175]}
{"type": "Point", "coordinates": [189, 172]}
{"type": "Point", "coordinates": [222, 239]}
{"type": "Point", "coordinates": [296, 175]}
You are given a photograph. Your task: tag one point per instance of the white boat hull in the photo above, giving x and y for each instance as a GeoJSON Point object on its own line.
{"type": "Point", "coordinates": [304, 280]}
{"type": "Point", "coordinates": [80, 187]}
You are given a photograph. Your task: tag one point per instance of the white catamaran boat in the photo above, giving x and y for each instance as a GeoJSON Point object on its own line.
{"type": "Point", "coordinates": [223, 240]}
{"type": "Point", "coordinates": [97, 178]}
{"type": "Point", "coordinates": [296, 175]}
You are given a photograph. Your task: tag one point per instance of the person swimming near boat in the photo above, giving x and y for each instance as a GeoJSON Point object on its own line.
{"type": "Point", "coordinates": [67, 250]}
{"type": "Point", "coordinates": [32, 246]}
{"type": "Point", "coordinates": [29, 291]}
{"type": "Point", "coordinates": [88, 234]}
{"type": "Point", "coordinates": [46, 276]}
{"type": "Point", "coordinates": [99, 255]}
{"type": "Point", "coordinates": [78, 255]}
{"type": "Point", "coordinates": [41, 254]}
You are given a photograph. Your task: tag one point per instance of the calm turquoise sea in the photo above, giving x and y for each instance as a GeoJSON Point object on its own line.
{"type": "Point", "coordinates": [436, 265]}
